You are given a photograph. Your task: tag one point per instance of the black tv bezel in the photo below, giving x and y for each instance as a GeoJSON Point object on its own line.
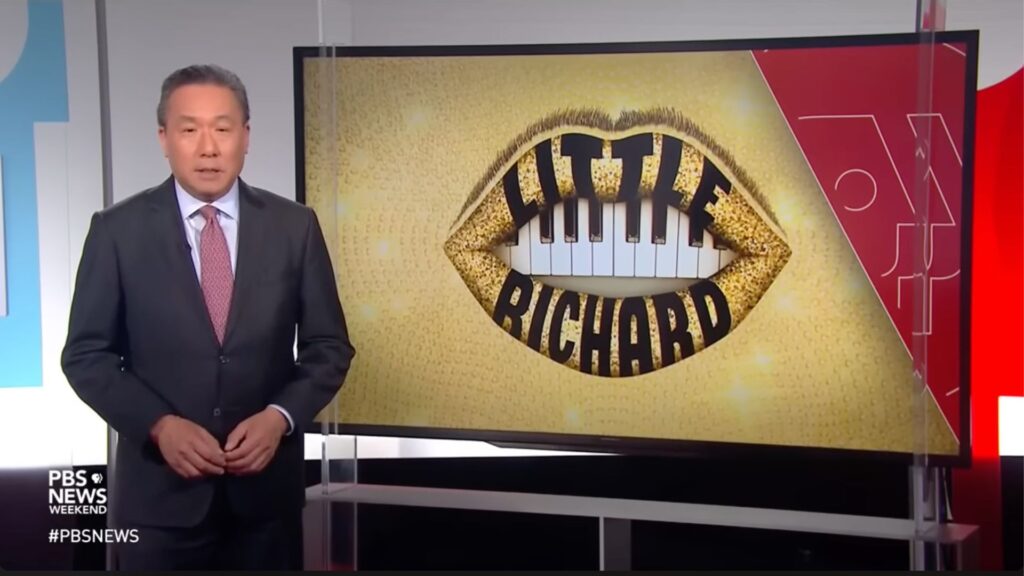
{"type": "Point", "coordinates": [674, 447]}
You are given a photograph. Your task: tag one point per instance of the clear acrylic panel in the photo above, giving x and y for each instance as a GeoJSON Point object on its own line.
{"type": "Point", "coordinates": [899, 412]}
{"type": "Point", "coordinates": [330, 530]}
{"type": "Point", "coordinates": [928, 486]}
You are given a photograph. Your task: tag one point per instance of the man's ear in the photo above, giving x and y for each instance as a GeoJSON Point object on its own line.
{"type": "Point", "coordinates": [162, 135]}
{"type": "Point", "coordinates": [246, 137]}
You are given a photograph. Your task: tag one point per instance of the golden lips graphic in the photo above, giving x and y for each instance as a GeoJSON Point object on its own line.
{"type": "Point", "coordinates": [588, 241]}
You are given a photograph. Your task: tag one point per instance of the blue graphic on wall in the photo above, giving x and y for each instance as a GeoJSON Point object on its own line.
{"type": "Point", "coordinates": [35, 91]}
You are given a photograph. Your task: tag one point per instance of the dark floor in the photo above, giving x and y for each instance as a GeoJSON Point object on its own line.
{"type": "Point", "coordinates": [417, 538]}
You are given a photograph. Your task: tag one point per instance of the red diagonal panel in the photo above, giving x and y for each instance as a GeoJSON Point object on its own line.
{"type": "Point", "coordinates": [854, 112]}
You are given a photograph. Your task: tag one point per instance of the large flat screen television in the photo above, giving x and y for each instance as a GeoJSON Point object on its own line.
{"type": "Point", "coordinates": [686, 247]}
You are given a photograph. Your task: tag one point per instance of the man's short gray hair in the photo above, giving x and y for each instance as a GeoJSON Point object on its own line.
{"type": "Point", "coordinates": [201, 74]}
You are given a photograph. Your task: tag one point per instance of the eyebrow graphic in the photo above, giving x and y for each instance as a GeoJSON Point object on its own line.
{"type": "Point", "coordinates": [600, 120]}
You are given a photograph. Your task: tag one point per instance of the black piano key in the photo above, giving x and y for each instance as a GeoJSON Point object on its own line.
{"type": "Point", "coordinates": [633, 221]}
{"type": "Point", "coordinates": [698, 240]}
{"type": "Point", "coordinates": [664, 195]}
{"type": "Point", "coordinates": [547, 226]}
{"type": "Point", "coordinates": [571, 230]}
{"type": "Point", "coordinates": [595, 220]}
{"type": "Point", "coordinates": [512, 240]}
{"type": "Point", "coordinates": [582, 149]}
{"type": "Point", "coordinates": [632, 151]}
{"type": "Point", "coordinates": [549, 187]}
{"type": "Point", "coordinates": [659, 215]}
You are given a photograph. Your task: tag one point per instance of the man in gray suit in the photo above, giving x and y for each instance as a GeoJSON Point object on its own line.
{"type": "Point", "coordinates": [188, 301]}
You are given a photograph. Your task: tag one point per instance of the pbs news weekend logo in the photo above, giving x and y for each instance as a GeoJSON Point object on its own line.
{"type": "Point", "coordinates": [77, 493]}
{"type": "Point", "coordinates": [74, 493]}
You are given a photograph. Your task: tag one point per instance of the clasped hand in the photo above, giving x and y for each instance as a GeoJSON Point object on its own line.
{"type": "Point", "coordinates": [192, 452]}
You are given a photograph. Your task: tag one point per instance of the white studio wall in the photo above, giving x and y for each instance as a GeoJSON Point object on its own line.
{"type": "Point", "coordinates": [399, 22]}
{"type": "Point", "coordinates": [149, 39]}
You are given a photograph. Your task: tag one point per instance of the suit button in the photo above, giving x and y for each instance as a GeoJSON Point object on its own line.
{"type": "Point", "coordinates": [216, 411]}
{"type": "Point", "coordinates": [223, 359]}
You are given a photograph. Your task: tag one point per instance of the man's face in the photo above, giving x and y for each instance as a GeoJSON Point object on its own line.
{"type": "Point", "coordinates": [205, 139]}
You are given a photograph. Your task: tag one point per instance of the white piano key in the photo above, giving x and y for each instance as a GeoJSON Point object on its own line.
{"type": "Point", "coordinates": [725, 257]}
{"type": "Point", "coordinates": [624, 251]}
{"type": "Point", "coordinates": [561, 251]}
{"type": "Point", "coordinates": [686, 257]}
{"type": "Point", "coordinates": [604, 251]}
{"type": "Point", "coordinates": [504, 254]}
{"type": "Point", "coordinates": [521, 251]}
{"type": "Point", "coordinates": [707, 259]}
{"type": "Point", "coordinates": [582, 250]}
{"type": "Point", "coordinates": [540, 252]}
{"type": "Point", "coordinates": [665, 254]}
{"type": "Point", "coordinates": [645, 248]}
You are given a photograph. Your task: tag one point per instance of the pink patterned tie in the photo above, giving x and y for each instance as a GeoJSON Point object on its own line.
{"type": "Point", "coordinates": [215, 271]}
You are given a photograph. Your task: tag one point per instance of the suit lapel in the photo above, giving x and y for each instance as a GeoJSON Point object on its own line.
{"type": "Point", "coordinates": [170, 234]}
{"type": "Point", "coordinates": [252, 230]}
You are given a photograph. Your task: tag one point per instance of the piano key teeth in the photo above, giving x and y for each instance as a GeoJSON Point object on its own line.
{"type": "Point", "coordinates": [504, 253]}
{"type": "Point", "coordinates": [551, 245]}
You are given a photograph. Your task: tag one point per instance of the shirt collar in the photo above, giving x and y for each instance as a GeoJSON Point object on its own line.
{"type": "Point", "coordinates": [189, 204]}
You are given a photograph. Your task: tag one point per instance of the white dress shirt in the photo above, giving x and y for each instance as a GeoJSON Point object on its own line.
{"type": "Point", "coordinates": [227, 217]}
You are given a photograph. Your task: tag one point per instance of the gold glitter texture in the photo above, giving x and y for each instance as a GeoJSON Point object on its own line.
{"type": "Point", "coordinates": [391, 156]}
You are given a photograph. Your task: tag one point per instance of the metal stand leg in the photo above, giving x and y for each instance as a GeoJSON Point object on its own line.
{"type": "Point", "coordinates": [968, 553]}
{"type": "Point", "coordinates": [926, 493]}
{"type": "Point", "coordinates": [111, 550]}
{"type": "Point", "coordinates": [316, 543]}
{"type": "Point", "coordinates": [616, 544]}
{"type": "Point", "coordinates": [355, 536]}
